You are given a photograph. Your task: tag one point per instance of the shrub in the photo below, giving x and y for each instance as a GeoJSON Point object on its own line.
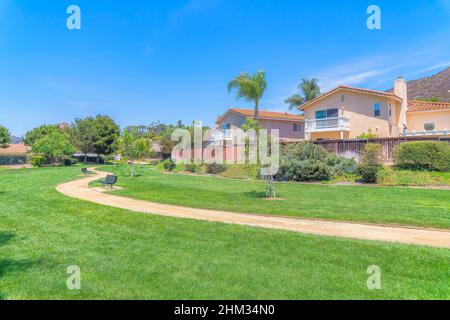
{"type": "Point", "coordinates": [371, 154]}
{"type": "Point", "coordinates": [169, 165]}
{"type": "Point", "coordinates": [368, 135]}
{"type": "Point", "coordinates": [370, 163]}
{"type": "Point", "coordinates": [13, 159]}
{"type": "Point", "coordinates": [340, 165]}
{"type": "Point", "coordinates": [305, 161]}
{"type": "Point", "coordinates": [306, 151]}
{"type": "Point", "coordinates": [38, 161]}
{"type": "Point", "coordinates": [192, 167]}
{"type": "Point", "coordinates": [215, 168]}
{"type": "Point", "coordinates": [368, 172]}
{"type": "Point", "coordinates": [305, 170]}
{"type": "Point", "coordinates": [423, 155]}
{"type": "Point", "coordinates": [69, 161]}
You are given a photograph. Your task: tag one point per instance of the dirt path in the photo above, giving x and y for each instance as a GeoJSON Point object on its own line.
{"type": "Point", "coordinates": [79, 189]}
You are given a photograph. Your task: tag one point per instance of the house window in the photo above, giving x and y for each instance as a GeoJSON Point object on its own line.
{"type": "Point", "coordinates": [377, 109]}
{"type": "Point", "coordinates": [429, 126]}
{"type": "Point", "coordinates": [343, 98]}
{"type": "Point", "coordinates": [225, 127]}
{"type": "Point", "coordinates": [297, 127]}
{"type": "Point", "coordinates": [328, 113]}
{"type": "Point", "coordinates": [390, 110]}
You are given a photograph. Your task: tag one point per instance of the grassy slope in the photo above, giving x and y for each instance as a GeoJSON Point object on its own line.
{"type": "Point", "coordinates": [419, 207]}
{"type": "Point", "coordinates": [130, 255]}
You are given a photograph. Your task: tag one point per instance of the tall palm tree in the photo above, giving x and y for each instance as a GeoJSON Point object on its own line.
{"type": "Point", "coordinates": [250, 87]}
{"type": "Point", "coordinates": [309, 90]}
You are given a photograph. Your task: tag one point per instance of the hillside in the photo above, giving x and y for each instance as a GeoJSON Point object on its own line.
{"type": "Point", "coordinates": [437, 85]}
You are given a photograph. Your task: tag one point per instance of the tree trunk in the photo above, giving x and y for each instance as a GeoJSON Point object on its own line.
{"type": "Point", "coordinates": [256, 109]}
{"type": "Point", "coordinates": [132, 168]}
{"type": "Point", "coordinates": [98, 158]}
{"type": "Point", "coordinates": [85, 158]}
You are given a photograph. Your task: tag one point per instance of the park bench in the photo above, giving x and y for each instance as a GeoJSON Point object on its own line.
{"type": "Point", "coordinates": [85, 171]}
{"type": "Point", "coordinates": [109, 181]}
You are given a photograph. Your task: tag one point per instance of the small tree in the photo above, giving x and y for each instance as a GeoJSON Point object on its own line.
{"type": "Point", "coordinates": [83, 135]}
{"type": "Point", "coordinates": [5, 137]}
{"type": "Point", "coordinates": [370, 163]}
{"type": "Point", "coordinates": [133, 148]}
{"type": "Point", "coordinates": [106, 131]}
{"type": "Point", "coordinates": [55, 146]}
{"type": "Point", "coordinates": [38, 133]}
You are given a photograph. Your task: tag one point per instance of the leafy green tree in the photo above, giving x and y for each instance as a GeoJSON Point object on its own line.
{"type": "Point", "coordinates": [83, 135]}
{"type": "Point", "coordinates": [55, 145]}
{"type": "Point", "coordinates": [106, 132]}
{"type": "Point", "coordinates": [142, 130]}
{"type": "Point", "coordinates": [251, 124]}
{"type": "Point", "coordinates": [250, 88]}
{"type": "Point", "coordinates": [309, 90]}
{"type": "Point", "coordinates": [38, 133]}
{"type": "Point", "coordinates": [5, 137]}
{"type": "Point", "coordinates": [132, 147]}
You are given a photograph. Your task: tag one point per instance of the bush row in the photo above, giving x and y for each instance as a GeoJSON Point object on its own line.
{"type": "Point", "coordinates": [423, 155]}
{"type": "Point", "coordinates": [13, 159]}
{"type": "Point", "coordinates": [305, 161]}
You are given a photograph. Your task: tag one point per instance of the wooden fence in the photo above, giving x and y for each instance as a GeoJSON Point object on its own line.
{"type": "Point", "coordinates": [353, 148]}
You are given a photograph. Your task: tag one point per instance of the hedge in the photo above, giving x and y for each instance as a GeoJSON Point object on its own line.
{"type": "Point", "coordinates": [13, 159]}
{"type": "Point", "coordinates": [423, 155]}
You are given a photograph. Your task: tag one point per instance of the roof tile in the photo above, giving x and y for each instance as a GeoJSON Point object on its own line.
{"type": "Point", "coordinates": [418, 106]}
{"type": "Point", "coordinates": [269, 114]}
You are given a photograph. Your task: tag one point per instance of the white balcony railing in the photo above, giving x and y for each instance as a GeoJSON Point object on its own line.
{"type": "Point", "coordinates": [327, 124]}
{"type": "Point", "coordinates": [444, 132]}
{"type": "Point", "coordinates": [221, 135]}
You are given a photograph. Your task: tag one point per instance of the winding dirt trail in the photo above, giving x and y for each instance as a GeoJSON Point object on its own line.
{"type": "Point", "coordinates": [79, 189]}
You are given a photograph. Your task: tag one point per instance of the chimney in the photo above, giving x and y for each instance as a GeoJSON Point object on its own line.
{"type": "Point", "coordinates": [401, 90]}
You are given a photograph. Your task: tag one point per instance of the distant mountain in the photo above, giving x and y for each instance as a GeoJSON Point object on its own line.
{"type": "Point", "coordinates": [437, 86]}
{"type": "Point", "coordinates": [15, 140]}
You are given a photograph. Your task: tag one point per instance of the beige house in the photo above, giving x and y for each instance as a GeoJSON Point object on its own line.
{"type": "Point", "coordinates": [347, 112]}
{"type": "Point", "coordinates": [291, 127]}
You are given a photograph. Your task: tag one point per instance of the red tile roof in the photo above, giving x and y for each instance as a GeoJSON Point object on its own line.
{"type": "Point", "coordinates": [14, 149]}
{"type": "Point", "coordinates": [352, 89]}
{"type": "Point", "coordinates": [418, 106]}
{"type": "Point", "coordinates": [284, 116]}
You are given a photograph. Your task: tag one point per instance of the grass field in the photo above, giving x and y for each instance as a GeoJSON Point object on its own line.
{"type": "Point", "coordinates": [131, 255]}
{"type": "Point", "coordinates": [393, 205]}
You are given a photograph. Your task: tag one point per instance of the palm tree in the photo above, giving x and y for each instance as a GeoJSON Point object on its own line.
{"type": "Point", "coordinates": [294, 101]}
{"type": "Point", "coordinates": [250, 87]}
{"type": "Point", "coordinates": [309, 90]}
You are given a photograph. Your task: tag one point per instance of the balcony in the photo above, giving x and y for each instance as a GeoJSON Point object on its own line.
{"type": "Point", "coordinates": [327, 125]}
{"type": "Point", "coordinates": [221, 135]}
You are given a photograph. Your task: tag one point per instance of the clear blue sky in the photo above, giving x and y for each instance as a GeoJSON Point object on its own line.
{"type": "Point", "coordinates": [146, 60]}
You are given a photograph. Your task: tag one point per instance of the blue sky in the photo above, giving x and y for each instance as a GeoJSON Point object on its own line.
{"type": "Point", "coordinates": [147, 60]}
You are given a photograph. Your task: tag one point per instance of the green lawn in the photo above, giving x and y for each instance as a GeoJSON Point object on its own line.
{"type": "Point", "coordinates": [393, 205]}
{"type": "Point", "coordinates": [131, 255]}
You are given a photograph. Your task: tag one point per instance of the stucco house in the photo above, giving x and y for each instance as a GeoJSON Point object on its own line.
{"type": "Point", "coordinates": [347, 112]}
{"type": "Point", "coordinates": [291, 127]}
